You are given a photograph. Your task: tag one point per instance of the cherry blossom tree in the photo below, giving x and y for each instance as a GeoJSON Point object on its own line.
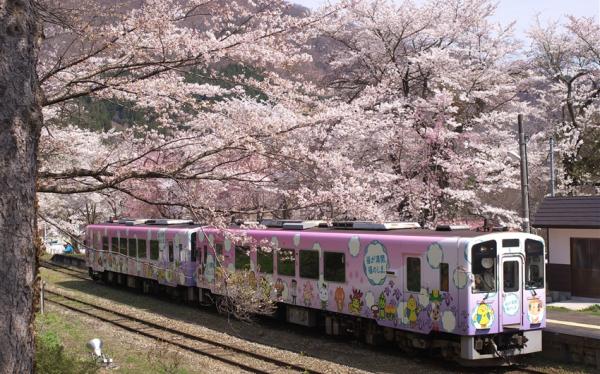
{"type": "Point", "coordinates": [20, 123]}
{"type": "Point", "coordinates": [431, 94]}
{"type": "Point", "coordinates": [211, 139]}
{"type": "Point", "coordinates": [565, 59]}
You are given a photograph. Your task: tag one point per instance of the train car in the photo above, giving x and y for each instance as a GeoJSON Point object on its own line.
{"type": "Point", "coordinates": [475, 296]}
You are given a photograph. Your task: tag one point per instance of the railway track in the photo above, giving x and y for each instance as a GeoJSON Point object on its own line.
{"type": "Point", "coordinates": [219, 351]}
{"type": "Point", "coordinates": [236, 356]}
{"type": "Point", "coordinates": [80, 274]}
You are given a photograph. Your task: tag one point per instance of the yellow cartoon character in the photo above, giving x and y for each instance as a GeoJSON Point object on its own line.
{"type": "Point", "coordinates": [483, 317]}
{"type": "Point", "coordinates": [410, 312]}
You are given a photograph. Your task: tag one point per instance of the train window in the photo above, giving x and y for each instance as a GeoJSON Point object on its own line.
{"type": "Point", "coordinates": [334, 264]}
{"type": "Point", "coordinates": [114, 247]}
{"type": "Point", "coordinates": [242, 258]}
{"type": "Point", "coordinates": [265, 260]}
{"type": "Point", "coordinates": [154, 249]}
{"type": "Point", "coordinates": [309, 264]}
{"type": "Point", "coordinates": [444, 277]}
{"type": "Point", "coordinates": [219, 250]}
{"type": "Point", "coordinates": [483, 260]}
{"type": "Point", "coordinates": [142, 249]}
{"type": "Point", "coordinates": [511, 276]}
{"type": "Point", "coordinates": [123, 246]}
{"type": "Point", "coordinates": [413, 274]}
{"type": "Point", "coordinates": [132, 248]}
{"type": "Point", "coordinates": [193, 247]}
{"type": "Point", "coordinates": [534, 264]}
{"type": "Point", "coordinates": [510, 243]}
{"type": "Point", "coordinates": [286, 262]}
{"type": "Point", "coordinates": [171, 254]}
{"type": "Point", "coordinates": [105, 246]}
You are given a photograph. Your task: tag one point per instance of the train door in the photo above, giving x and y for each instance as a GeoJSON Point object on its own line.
{"type": "Point", "coordinates": [511, 291]}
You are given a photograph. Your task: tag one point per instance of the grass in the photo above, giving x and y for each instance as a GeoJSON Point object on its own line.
{"type": "Point", "coordinates": [51, 357]}
{"type": "Point", "coordinates": [62, 342]}
{"type": "Point", "coordinates": [592, 310]}
{"type": "Point", "coordinates": [140, 362]}
{"type": "Point", "coordinates": [557, 308]}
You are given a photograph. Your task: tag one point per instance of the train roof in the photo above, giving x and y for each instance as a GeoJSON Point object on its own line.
{"type": "Point", "coordinates": [393, 232]}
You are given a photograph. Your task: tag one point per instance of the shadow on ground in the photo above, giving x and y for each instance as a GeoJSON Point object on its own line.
{"type": "Point", "coordinates": [274, 333]}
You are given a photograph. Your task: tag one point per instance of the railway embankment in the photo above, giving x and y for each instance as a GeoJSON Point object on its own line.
{"type": "Point", "coordinates": [573, 337]}
{"type": "Point", "coordinates": [69, 260]}
{"type": "Point", "coordinates": [571, 343]}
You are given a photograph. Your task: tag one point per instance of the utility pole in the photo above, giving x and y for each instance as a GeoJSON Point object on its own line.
{"type": "Point", "coordinates": [552, 176]}
{"type": "Point", "coordinates": [524, 176]}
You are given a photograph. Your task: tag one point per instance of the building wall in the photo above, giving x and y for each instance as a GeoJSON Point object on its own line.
{"type": "Point", "coordinates": [559, 263]}
{"type": "Point", "coordinates": [559, 243]}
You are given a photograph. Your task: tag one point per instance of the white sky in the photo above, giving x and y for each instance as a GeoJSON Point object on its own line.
{"type": "Point", "coordinates": [524, 11]}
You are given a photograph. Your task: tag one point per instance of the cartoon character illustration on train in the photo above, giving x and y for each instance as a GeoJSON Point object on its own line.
{"type": "Point", "coordinates": [482, 293]}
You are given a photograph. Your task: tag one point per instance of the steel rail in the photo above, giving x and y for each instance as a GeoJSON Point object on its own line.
{"type": "Point", "coordinates": [224, 346]}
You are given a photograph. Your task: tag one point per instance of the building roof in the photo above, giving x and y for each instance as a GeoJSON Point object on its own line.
{"type": "Point", "coordinates": [582, 212]}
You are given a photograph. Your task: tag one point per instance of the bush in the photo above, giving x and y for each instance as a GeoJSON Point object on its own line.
{"type": "Point", "coordinates": [592, 308]}
{"type": "Point", "coordinates": [50, 358]}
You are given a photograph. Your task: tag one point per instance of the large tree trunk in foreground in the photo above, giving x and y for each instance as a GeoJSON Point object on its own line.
{"type": "Point", "coordinates": [20, 124]}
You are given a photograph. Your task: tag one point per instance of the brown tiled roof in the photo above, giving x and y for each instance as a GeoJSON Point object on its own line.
{"type": "Point", "coordinates": [568, 212]}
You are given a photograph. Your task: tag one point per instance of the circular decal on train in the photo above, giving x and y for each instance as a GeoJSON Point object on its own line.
{"type": "Point", "coordinates": [375, 263]}
{"type": "Point", "coordinates": [354, 246]}
{"type": "Point", "coordinates": [448, 321]}
{"type": "Point", "coordinates": [482, 316]}
{"type": "Point", "coordinates": [369, 299]}
{"type": "Point", "coordinates": [435, 255]}
{"type": "Point", "coordinates": [423, 298]}
{"type": "Point", "coordinates": [460, 277]}
{"type": "Point", "coordinates": [510, 304]}
{"type": "Point", "coordinates": [209, 272]}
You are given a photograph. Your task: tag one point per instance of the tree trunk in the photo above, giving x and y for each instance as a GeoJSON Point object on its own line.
{"type": "Point", "coordinates": [20, 124]}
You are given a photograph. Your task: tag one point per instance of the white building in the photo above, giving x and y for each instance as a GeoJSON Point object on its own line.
{"type": "Point", "coordinates": [573, 242]}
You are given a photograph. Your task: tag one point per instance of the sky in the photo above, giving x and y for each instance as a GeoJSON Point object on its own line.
{"type": "Point", "coordinates": [524, 11]}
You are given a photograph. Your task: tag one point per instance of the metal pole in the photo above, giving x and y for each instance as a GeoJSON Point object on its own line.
{"type": "Point", "coordinates": [42, 296]}
{"type": "Point", "coordinates": [524, 177]}
{"type": "Point", "coordinates": [552, 176]}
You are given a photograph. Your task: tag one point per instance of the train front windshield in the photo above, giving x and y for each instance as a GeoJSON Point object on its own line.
{"type": "Point", "coordinates": [534, 264]}
{"type": "Point", "coordinates": [483, 258]}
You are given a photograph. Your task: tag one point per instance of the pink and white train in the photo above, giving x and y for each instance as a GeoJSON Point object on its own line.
{"type": "Point", "coordinates": [471, 295]}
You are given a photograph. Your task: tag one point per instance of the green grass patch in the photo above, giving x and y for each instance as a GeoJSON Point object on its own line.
{"type": "Point", "coordinates": [61, 348]}
{"type": "Point", "coordinates": [51, 357]}
{"type": "Point", "coordinates": [557, 308]}
{"type": "Point", "coordinates": [593, 309]}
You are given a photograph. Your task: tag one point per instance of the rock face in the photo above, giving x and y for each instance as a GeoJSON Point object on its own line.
{"type": "Point", "coordinates": [20, 125]}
